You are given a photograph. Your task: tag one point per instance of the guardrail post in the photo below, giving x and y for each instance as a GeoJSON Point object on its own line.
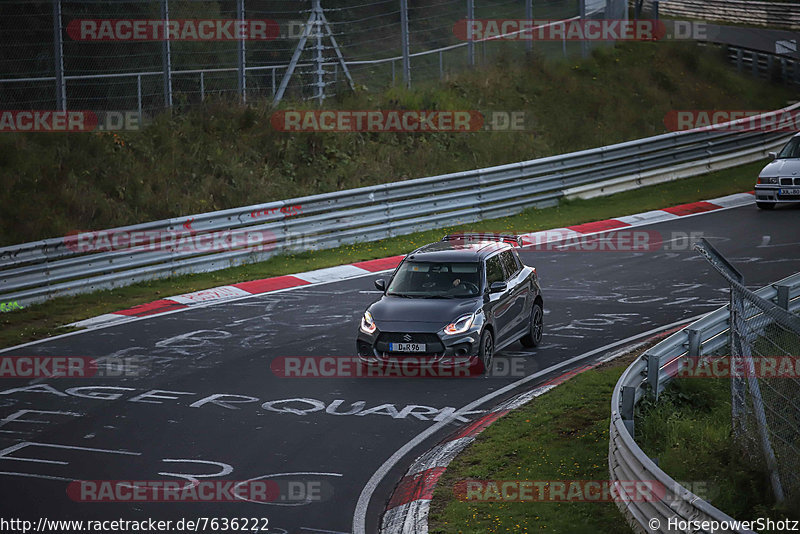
{"type": "Point", "coordinates": [782, 299]}
{"type": "Point", "coordinates": [694, 342]}
{"type": "Point", "coordinates": [754, 64]}
{"type": "Point", "coordinates": [653, 366]}
{"type": "Point", "coordinates": [739, 58]}
{"type": "Point", "coordinates": [626, 410]}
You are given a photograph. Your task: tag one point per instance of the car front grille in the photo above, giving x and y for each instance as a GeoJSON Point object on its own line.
{"type": "Point", "coordinates": [790, 181]}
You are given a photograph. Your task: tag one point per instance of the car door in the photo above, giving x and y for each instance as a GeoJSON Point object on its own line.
{"type": "Point", "coordinates": [499, 303]}
{"type": "Point", "coordinates": [518, 290]}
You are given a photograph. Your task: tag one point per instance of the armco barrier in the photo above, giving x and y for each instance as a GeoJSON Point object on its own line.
{"type": "Point", "coordinates": [774, 14]}
{"type": "Point", "coordinates": [653, 370]}
{"type": "Point", "coordinates": [33, 272]}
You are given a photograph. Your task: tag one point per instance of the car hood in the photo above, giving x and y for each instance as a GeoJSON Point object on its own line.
{"type": "Point", "coordinates": [781, 167]}
{"type": "Point", "coordinates": [415, 314]}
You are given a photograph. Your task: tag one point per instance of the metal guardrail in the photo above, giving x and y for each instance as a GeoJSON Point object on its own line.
{"type": "Point", "coordinates": [36, 271]}
{"type": "Point", "coordinates": [653, 371]}
{"type": "Point", "coordinates": [765, 65]}
{"type": "Point", "coordinates": [778, 15]}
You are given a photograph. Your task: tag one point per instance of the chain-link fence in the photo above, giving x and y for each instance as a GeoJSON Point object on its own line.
{"type": "Point", "coordinates": [54, 58]}
{"type": "Point", "coordinates": [764, 366]}
{"type": "Point", "coordinates": [766, 408]}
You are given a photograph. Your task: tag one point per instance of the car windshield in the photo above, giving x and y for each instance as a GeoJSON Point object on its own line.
{"type": "Point", "coordinates": [791, 150]}
{"type": "Point", "coordinates": [416, 279]}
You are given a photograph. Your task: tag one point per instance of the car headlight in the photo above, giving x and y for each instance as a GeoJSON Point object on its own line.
{"type": "Point", "coordinates": [460, 325]}
{"type": "Point", "coordinates": [768, 180]}
{"type": "Point", "coordinates": [367, 323]}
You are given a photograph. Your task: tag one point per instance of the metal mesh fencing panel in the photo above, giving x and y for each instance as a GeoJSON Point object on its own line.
{"type": "Point", "coordinates": [766, 395]}
{"type": "Point", "coordinates": [52, 62]}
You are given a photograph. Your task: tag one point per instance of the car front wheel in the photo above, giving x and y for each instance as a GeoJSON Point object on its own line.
{"type": "Point", "coordinates": [534, 335]}
{"type": "Point", "coordinates": [486, 351]}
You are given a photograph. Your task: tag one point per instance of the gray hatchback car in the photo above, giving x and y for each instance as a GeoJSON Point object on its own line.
{"type": "Point", "coordinates": [779, 181]}
{"type": "Point", "coordinates": [455, 302]}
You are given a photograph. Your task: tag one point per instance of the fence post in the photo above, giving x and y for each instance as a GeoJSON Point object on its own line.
{"type": "Point", "coordinates": [582, 14]}
{"type": "Point", "coordinates": [529, 16]}
{"type": "Point", "coordinates": [241, 57]}
{"type": "Point", "coordinates": [165, 55]}
{"type": "Point", "coordinates": [404, 42]}
{"type": "Point", "coordinates": [58, 54]}
{"type": "Point", "coordinates": [202, 86]}
{"type": "Point", "coordinates": [139, 96]}
{"type": "Point", "coordinates": [470, 42]}
{"type": "Point", "coordinates": [441, 66]}
{"type": "Point", "coordinates": [320, 72]}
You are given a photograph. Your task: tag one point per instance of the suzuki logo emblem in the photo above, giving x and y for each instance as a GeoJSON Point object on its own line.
{"type": "Point", "coordinates": [407, 338]}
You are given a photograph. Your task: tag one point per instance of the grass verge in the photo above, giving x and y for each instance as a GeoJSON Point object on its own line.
{"type": "Point", "coordinates": [562, 435]}
{"type": "Point", "coordinates": [222, 155]}
{"type": "Point", "coordinates": [689, 431]}
{"type": "Point", "coordinates": [46, 319]}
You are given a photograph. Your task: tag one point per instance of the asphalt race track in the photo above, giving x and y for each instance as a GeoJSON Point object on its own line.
{"type": "Point", "coordinates": [215, 411]}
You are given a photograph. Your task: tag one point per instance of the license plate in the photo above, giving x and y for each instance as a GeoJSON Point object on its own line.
{"type": "Point", "coordinates": [789, 191]}
{"type": "Point", "coordinates": [407, 347]}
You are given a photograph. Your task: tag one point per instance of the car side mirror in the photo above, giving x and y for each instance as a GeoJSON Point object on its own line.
{"type": "Point", "coordinates": [772, 155]}
{"type": "Point", "coordinates": [498, 287]}
{"type": "Point", "coordinates": [380, 284]}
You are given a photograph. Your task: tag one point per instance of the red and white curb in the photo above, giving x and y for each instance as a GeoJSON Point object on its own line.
{"type": "Point", "coordinates": [343, 272]}
{"type": "Point", "coordinates": [407, 511]}
{"type": "Point", "coordinates": [408, 507]}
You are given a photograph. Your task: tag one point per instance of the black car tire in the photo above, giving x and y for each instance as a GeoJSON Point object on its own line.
{"type": "Point", "coordinates": [534, 335]}
{"type": "Point", "coordinates": [765, 205]}
{"type": "Point", "coordinates": [486, 350]}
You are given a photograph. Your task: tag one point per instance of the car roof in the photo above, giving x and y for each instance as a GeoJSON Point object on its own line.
{"type": "Point", "coordinates": [457, 250]}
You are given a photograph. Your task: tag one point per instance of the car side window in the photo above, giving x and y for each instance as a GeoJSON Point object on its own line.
{"type": "Point", "coordinates": [494, 270]}
{"type": "Point", "coordinates": [517, 260]}
{"type": "Point", "coordinates": [509, 265]}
